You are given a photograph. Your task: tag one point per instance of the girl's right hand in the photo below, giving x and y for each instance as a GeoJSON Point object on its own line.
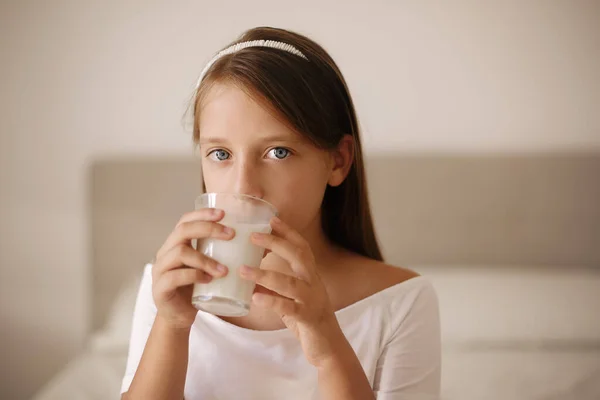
{"type": "Point", "coordinates": [178, 266]}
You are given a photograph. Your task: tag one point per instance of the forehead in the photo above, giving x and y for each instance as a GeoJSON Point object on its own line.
{"type": "Point", "coordinates": [228, 111]}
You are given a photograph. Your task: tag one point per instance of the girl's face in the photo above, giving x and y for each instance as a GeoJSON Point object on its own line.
{"type": "Point", "coordinates": [245, 149]}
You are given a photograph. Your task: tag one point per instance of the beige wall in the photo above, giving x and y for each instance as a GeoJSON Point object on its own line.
{"type": "Point", "coordinates": [80, 80]}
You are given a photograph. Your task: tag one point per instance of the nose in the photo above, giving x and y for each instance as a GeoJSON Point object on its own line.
{"type": "Point", "coordinates": [248, 180]}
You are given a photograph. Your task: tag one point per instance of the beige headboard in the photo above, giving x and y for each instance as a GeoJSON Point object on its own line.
{"type": "Point", "coordinates": [533, 210]}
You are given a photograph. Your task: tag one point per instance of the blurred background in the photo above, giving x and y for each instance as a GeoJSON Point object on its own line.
{"type": "Point", "coordinates": [481, 127]}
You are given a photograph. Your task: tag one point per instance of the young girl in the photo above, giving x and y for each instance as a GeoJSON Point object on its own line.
{"type": "Point", "coordinates": [330, 320]}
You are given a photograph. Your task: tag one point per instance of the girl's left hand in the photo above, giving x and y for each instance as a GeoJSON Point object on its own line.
{"type": "Point", "coordinates": [301, 300]}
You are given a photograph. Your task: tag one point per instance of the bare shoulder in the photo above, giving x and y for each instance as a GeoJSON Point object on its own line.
{"type": "Point", "coordinates": [363, 277]}
{"type": "Point", "coordinates": [384, 275]}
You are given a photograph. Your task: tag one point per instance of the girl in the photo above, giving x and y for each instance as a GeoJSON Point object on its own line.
{"type": "Point", "coordinates": [273, 118]}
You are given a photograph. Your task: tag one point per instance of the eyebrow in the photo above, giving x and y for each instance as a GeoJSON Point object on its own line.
{"type": "Point", "coordinates": [275, 138]}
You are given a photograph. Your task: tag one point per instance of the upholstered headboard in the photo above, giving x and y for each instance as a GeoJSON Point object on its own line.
{"type": "Point", "coordinates": [534, 210]}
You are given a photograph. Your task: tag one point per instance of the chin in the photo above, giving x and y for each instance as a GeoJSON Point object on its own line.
{"type": "Point", "coordinates": [301, 222]}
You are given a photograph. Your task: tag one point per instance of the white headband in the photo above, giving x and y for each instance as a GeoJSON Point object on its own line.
{"type": "Point", "coordinates": [254, 43]}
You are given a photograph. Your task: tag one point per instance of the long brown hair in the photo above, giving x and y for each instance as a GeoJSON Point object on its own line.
{"type": "Point", "coordinates": [312, 98]}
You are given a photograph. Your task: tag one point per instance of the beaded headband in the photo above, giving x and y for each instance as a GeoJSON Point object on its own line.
{"type": "Point", "coordinates": [253, 43]}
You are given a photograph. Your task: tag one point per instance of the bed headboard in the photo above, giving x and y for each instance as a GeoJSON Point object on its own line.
{"type": "Point", "coordinates": [535, 210]}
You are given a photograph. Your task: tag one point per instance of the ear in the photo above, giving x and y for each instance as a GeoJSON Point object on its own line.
{"type": "Point", "coordinates": [342, 157]}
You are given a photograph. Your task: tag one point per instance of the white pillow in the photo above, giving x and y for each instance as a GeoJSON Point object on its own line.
{"type": "Point", "coordinates": [495, 303]}
{"type": "Point", "coordinates": [114, 336]}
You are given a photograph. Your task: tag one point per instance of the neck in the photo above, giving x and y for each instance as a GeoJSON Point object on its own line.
{"type": "Point", "coordinates": [322, 248]}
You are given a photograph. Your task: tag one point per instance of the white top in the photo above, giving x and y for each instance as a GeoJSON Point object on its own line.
{"type": "Point", "coordinates": [395, 334]}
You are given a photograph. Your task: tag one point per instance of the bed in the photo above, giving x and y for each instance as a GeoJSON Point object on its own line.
{"type": "Point", "coordinates": [510, 243]}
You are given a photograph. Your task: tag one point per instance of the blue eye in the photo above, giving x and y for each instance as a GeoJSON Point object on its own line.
{"type": "Point", "coordinates": [221, 155]}
{"type": "Point", "coordinates": [279, 153]}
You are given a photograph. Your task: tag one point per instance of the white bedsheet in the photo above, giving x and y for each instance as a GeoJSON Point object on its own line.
{"type": "Point", "coordinates": [467, 375]}
{"type": "Point", "coordinates": [90, 376]}
{"type": "Point", "coordinates": [520, 334]}
{"type": "Point", "coordinates": [96, 373]}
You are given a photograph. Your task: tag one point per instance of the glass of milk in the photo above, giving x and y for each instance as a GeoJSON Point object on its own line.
{"type": "Point", "coordinates": [231, 295]}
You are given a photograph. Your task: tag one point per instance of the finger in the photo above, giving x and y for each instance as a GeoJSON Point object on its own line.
{"type": "Point", "coordinates": [185, 256]}
{"type": "Point", "coordinates": [202, 214]}
{"type": "Point", "coordinates": [293, 236]}
{"type": "Point", "coordinates": [297, 257]}
{"type": "Point", "coordinates": [262, 289]}
{"type": "Point", "coordinates": [285, 285]}
{"type": "Point", "coordinates": [186, 231]}
{"type": "Point", "coordinates": [287, 232]}
{"type": "Point", "coordinates": [170, 281]}
{"type": "Point", "coordinates": [280, 305]}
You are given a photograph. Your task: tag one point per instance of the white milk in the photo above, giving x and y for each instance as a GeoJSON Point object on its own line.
{"type": "Point", "coordinates": [230, 295]}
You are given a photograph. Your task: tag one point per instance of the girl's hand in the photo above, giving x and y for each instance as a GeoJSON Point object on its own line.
{"type": "Point", "coordinates": [300, 300]}
{"type": "Point", "coordinates": [178, 266]}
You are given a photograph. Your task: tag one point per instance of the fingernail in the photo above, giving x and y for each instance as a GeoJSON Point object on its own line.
{"type": "Point", "coordinates": [245, 270]}
{"type": "Point", "coordinates": [227, 230]}
{"type": "Point", "coordinates": [276, 220]}
{"type": "Point", "coordinates": [221, 268]}
{"type": "Point", "coordinates": [257, 235]}
{"type": "Point", "coordinates": [259, 298]}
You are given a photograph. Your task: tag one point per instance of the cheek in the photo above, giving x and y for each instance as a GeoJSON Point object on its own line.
{"type": "Point", "coordinates": [213, 178]}
{"type": "Point", "coordinates": [298, 198]}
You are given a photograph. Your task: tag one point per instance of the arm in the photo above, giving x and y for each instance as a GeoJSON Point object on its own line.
{"type": "Point", "coordinates": [163, 316]}
{"type": "Point", "coordinates": [343, 377]}
{"type": "Point", "coordinates": [162, 369]}
{"type": "Point", "coordinates": [409, 366]}
{"type": "Point", "coordinates": [303, 304]}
